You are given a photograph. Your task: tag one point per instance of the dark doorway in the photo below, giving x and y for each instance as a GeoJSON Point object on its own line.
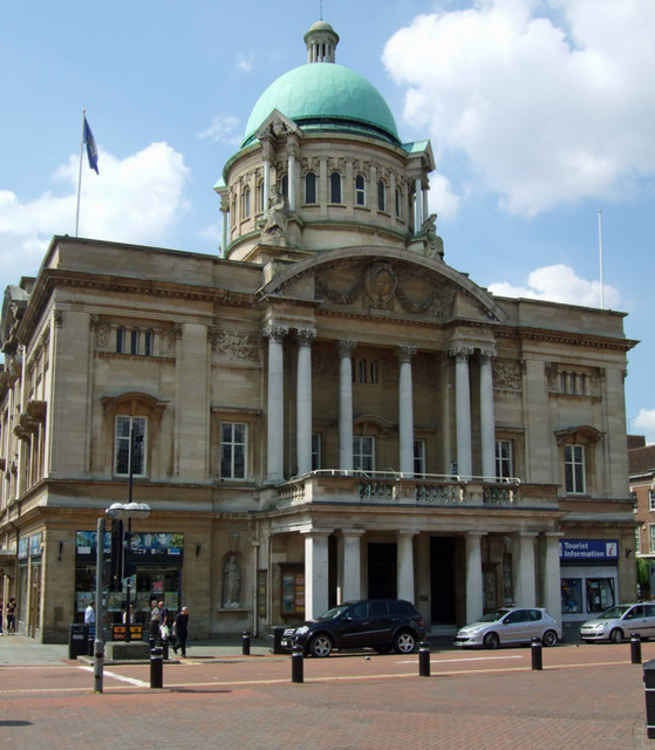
{"type": "Point", "coordinates": [381, 571]}
{"type": "Point", "coordinates": [442, 575]}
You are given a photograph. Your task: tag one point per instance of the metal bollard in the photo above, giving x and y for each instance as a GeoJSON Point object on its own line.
{"type": "Point", "coordinates": [635, 648]}
{"type": "Point", "coordinates": [245, 643]}
{"type": "Point", "coordinates": [277, 639]}
{"type": "Point", "coordinates": [165, 646]}
{"type": "Point", "coordinates": [157, 667]}
{"type": "Point", "coordinates": [297, 657]}
{"type": "Point", "coordinates": [537, 662]}
{"type": "Point", "coordinates": [424, 659]}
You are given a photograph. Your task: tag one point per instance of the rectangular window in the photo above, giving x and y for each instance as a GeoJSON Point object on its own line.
{"type": "Point", "coordinates": [316, 451]}
{"type": "Point", "coordinates": [147, 343]}
{"type": "Point", "coordinates": [374, 372]}
{"type": "Point", "coordinates": [364, 453]}
{"type": "Point", "coordinates": [134, 342]}
{"type": "Point", "coordinates": [504, 459]}
{"type": "Point", "coordinates": [574, 468]}
{"type": "Point", "coordinates": [310, 188]}
{"type": "Point", "coordinates": [360, 190]}
{"type": "Point", "coordinates": [419, 458]}
{"type": "Point", "coordinates": [651, 499]}
{"type": "Point", "coordinates": [130, 446]}
{"type": "Point", "coordinates": [335, 187]}
{"type": "Point", "coordinates": [120, 340]}
{"type": "Point", "coordinates": [600, 594]}
{"type": "Point", "coordinates": [571, 595]}
{"type": "Point", "coordinates": [381, 202]}
{"type": "Point", "coordinates": [234, 444]}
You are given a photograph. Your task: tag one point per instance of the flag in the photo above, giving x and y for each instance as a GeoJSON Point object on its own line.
{"type": "Point", "coordinates": [91, 150]}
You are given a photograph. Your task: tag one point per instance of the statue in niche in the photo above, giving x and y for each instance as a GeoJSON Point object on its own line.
{"type": "Point", "coordinates": [231, 582]}
{"type": "Point", "coordinates": [277, 218]}
{"type": "Point", "coordinates": [434, 247]}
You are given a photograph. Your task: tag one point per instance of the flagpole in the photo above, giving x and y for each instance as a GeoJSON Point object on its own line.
{"type": "Point", "coordinates": [79, 178]}
{"type": "Point", "coordinates": [600, 257]}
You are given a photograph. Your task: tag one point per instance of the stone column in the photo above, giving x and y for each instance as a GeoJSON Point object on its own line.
{"type": "Point", "coordinates": [525, 595]}
{"type": "Point", "coordinates": [406, 410]}
{"type": "Point", "coordinates": [487, 420]}
{"type": "Point", "coordinates": [352, 564]}
{"type": "Point", "coordinates": [275, 404]}
{"type": "Point", "coordinates": [345, 405]}
{"type": "Point", "coordinates": [304, 401]}
{"type": "Point", "coordinates": [474, 595]}
{"type": "Point", "coordinates": [552, 581]}
{"type": "Point", "coordinates": [426, 192]}
{"type": "Point", "coordinates": [405, 580]}
{"type": "Point", "coordinates": [463, 409]}
{"type": "Point", "coordinates": [316, 572]}
{"type": "Point", "coordinates": [418, 206]}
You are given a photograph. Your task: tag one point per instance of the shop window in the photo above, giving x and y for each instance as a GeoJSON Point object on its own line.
{"type": "Point", "coordinates": [571, 595]}
{"type": "Point", "coordinates": [419, 458]}
{"type": "Point", "coordinates": [600, 594]}
{"type": "Point", "coordinates": [234, 445]}
{"type": "Point", "coordinates": [293, 591]}
{"type": "Point", "coordinates": [310, 188]}
{"type": "Point", "coordinates": [364, 453]}
{"type": "Point", "coordinates": [381, 196]}
{"type": "Point", "coordinates": [335, 187]}
{"type": "Point", "coordinates": [504, 459]}
{"type": "Point", "coordinates": [130, 446]}
{"type": "Point", "coordinates": [574, 468]}
{"type": "Point", "coordinates": [316, 452]}
{"type": "Point", "coordinates": [360, 190]}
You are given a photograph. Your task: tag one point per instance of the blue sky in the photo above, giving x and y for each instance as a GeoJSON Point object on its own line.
{"type": "Point", "coordinates": [540, 114]}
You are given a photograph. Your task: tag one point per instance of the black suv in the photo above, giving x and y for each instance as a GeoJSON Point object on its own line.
{"type": "Point", "coordinates": [381, 624]}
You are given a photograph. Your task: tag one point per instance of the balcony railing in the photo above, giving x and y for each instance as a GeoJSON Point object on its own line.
{"type": "Point", "coordinates": [354, 486]}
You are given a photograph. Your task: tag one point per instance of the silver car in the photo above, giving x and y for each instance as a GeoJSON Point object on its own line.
{"type": "Point", "coordinates": [505, 626]}
{"type": "Point", "coordinates": [617, 623]}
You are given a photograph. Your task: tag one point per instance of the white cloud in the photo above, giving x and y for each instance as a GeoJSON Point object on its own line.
{"type": "Point", "coordinates": [223, 129]}
{"type": "Point", "coordinates": [246, 62]}
{"type": "Point", "coordinates": [559, 283]}
{"type": "Point", "coordinates": [442, 197]}
{"type": "Point", "coordinates": [644, 423]}
{"type": "Point", "coordinates": [549, 110]}
{"type": "Point", "coordinates": [136, 199]}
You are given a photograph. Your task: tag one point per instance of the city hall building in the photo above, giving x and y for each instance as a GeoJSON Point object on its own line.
{"type": "Point", "coordinates": [327, 411]}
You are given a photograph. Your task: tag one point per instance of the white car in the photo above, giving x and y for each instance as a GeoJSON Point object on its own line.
{"type": "Point", "coordinates": [505, 626]}
{"type": "Point", "coordinates": [617, 623]}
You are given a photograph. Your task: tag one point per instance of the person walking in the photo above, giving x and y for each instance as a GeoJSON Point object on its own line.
{"type": "Point", "coordinates": [155, 622]}
{"type": "Point", "coordinates": [11, 616]}
{"type": "Point", "coordinates": [181, 630]}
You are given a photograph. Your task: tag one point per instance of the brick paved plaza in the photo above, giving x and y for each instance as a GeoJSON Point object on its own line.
{"type": "Point", "coordinates": [588, 696]}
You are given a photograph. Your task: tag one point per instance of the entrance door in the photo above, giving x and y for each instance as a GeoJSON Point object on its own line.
{"type": "Point", "coordinates": [382, 571]}
{"type": "Point", "coordinates": [442, 579]}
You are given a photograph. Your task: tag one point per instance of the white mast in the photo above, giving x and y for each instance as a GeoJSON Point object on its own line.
{"type": "Point", "coordinates": [600, 257]}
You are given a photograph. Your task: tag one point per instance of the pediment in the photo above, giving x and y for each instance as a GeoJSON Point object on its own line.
{"type": "Point", "coordinates": [379, 281]}
{"type": "Point", "coordinates": [277, 125]}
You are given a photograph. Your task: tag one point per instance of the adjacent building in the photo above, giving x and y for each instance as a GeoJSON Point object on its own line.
{"type": "Point", "coordinates": [325, 411]}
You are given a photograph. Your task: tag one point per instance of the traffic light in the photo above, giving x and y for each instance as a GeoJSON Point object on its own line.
{"type": "Point", "coordinates": [116, 582]}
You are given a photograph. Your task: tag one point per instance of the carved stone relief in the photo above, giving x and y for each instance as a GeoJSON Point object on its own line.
{"type": "Point", "coordinates": [234, 344]}
{"type": "Point", "coordinates": [507, 374]}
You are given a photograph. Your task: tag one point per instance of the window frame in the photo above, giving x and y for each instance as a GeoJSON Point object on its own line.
{"type": "Point", "coordinates": [359, 454]}
{"type": "Point", "coordinates": [571, 483]}
{"type": "Point", "coordinates": [316, 451]}
{"type": "Point", "coordinates": [336, 189]}
{"type": "Point", "coordinates": [501, 460]}
{"type": "Point", "coordinates": [360, 191]}
{"type": "Point", "coordinates": [651, 499]}
{"type": "Point", "coordinates": [382, 196]}
{"type": "Point", "coordinates": [121, 438]}
{"type": "Point", "coordinates": [419, 461]}
{"type": "Point", "coordinates": [233, 445]}
{"type": "Point", "coordinates": [310, 193]}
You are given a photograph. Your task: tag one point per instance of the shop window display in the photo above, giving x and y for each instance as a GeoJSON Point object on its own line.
{"type": "Point", "coordinates": [572, 595]}
{"type": "Point", "coordinates": [600, 594]}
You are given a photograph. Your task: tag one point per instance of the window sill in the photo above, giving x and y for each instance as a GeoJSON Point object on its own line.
{"type": "Point", "coordinates": [363, 208]}
{"type": "Point", "coordinates": [336, 205]}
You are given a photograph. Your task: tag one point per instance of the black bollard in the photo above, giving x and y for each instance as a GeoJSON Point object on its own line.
{"type": "Point", "coordinates": [157, 667]}
{"type": "Point", "coordinates": [635, 648]}
{"type": "Point", "coordinates": [164, 646]}
{"type": "Point", "coordinates": [424, 659]}
{"type": "Point", "coordinates": [297, 657]}
{"type": "Point", "coordinates": [245, 643]}
{"type": "Point", "coordinates": [537, 662]}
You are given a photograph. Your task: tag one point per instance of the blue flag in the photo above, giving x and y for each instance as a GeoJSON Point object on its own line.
{"type": "Point", "coordinates": [91, 150]}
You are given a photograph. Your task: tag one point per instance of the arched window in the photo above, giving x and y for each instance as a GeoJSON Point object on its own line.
{"type": "Point", "coordinates": [310, 187]}
{"type": "Point", "coordinates": [335, 187]}
{"type": "Point", "coordinates": [360, 191]}
{"type": "Point", "coordinates": [284, 186]}
{"type": "Point", "coordinates": [245, 203]}
{"type": "Point", "coordinates": [381, 202]}
{"type": "Point", "coordinates": [260, 196]}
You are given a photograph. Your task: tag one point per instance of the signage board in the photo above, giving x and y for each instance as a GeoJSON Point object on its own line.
{"type": "Point", "coordinates": [589, 550]}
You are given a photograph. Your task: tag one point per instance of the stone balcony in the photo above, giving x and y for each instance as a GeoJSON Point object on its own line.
{"type": "Point", "coordinates": [428, 490]}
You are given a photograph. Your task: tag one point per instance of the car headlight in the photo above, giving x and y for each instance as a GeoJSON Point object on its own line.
{"type": "Point", "coordinates": [302, 630]}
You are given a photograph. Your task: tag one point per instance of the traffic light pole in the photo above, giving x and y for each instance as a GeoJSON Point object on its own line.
{"type": "Point", "coordinates": [99, 643]}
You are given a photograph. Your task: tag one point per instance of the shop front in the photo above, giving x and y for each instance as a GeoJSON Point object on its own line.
{"type": "Point", "coordinates": [589, 577]}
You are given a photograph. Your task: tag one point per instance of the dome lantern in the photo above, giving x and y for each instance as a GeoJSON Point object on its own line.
{"type": "Point", "coordinates": [321, 41]}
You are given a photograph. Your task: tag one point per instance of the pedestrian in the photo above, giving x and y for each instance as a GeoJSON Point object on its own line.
{"type": "Point", "coordinates": [11, 616]}
{"type": "Point", "coordinates": [181, 630]}
{"type": "Point", "coordinates": [90, 615]}
{"type": "Point", "coordinates": [155, 622]}
{"type": "Point", "coordinates": [1, 611]}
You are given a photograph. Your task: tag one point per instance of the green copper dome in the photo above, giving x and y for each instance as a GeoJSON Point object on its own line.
{"type": "Point", "coordinates": [325, 96]}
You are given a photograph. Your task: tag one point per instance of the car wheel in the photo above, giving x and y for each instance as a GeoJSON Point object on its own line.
{"type": "Point", "coordinates": [616, 636]}
{"type": "Point", "coordinates": [404, 642]}
{"type": "Point", "coordinates": [491, 640]}
{"type": "Point", "coordinates": [549, 638]}
{"type": "Point", "coordinates": [320, 645]}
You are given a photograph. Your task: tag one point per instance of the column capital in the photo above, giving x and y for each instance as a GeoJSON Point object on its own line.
{"type": "Point", "coordinates": [471, 533]}
{"type": "Point", "coordinates": [488, 350]}
{"type": "Point", "coordinates": [353, 532]}
{"type": "Point", "coordinates": [460, 350]}
{"type": "Point", "coordinates": [527, 534]}
{"type": "Point", "coordinates": [292, 144]}
{"type": "Point", "coordinates": [315, 531]}
{"type": "Point", "coordinates": [405, 352]}
{"type": "Point", "coordinates": [275, 332]}
{"type": "Point", "coordinates": [346, 347]}
{"type": "Point", "coordinates": [407, 532]}
{"type": "Point", "coordinates": [305, 336]}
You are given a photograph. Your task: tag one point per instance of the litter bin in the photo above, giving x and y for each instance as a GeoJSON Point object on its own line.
{"type": "Point", "coordinates": [78, 637]}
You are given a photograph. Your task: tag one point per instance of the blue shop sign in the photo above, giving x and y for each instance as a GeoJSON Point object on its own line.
{"type": "Point", "coordinates": [589, 550]}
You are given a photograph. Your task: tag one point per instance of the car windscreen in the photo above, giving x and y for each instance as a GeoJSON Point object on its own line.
{"type": "Point", "coordinates": [613, 612]}
{"type": "Point", "coordinates": [493, 616]}
{"type": "Point", "coordinates": [333, 612]}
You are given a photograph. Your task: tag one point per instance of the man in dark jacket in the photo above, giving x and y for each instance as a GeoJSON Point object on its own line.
{"type": "Point", "coordinates": [181, 630]}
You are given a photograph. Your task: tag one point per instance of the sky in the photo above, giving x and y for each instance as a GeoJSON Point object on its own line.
{"type": "Point", "coordinates": [540, 113]}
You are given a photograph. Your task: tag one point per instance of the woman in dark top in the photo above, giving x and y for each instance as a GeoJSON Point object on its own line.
{"type": "Point", "coordinates": [181, 630]}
